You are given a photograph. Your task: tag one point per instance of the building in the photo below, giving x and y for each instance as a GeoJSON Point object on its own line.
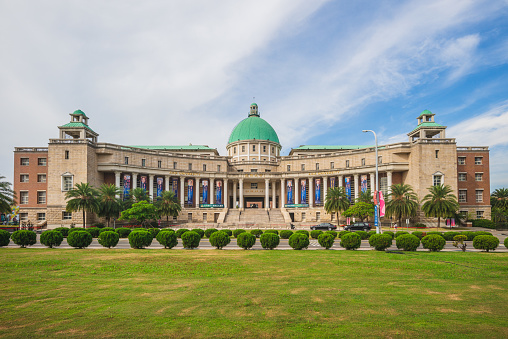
{"type": "Point", "coordinates": [254, 183]}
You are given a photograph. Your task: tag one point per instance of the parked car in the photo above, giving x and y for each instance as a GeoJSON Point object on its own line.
{"type": "Point", "coordinates": [358, 226]}
{"type": "Point", "coordinates": [324, 226]}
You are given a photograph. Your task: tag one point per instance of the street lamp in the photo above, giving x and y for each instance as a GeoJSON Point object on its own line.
{"type": "Point", "coordinates": [378, 227]}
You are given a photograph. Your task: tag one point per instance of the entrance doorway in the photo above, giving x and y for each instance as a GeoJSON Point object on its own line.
{"type": "Point", "coordinates": [254, 202]}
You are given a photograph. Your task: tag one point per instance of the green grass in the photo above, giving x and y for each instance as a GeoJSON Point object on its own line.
{"type": "Point", "coordinates": [250, 294]}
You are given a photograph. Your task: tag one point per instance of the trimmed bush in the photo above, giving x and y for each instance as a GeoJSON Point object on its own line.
{"type": "Point", "coordinates": [448, 236]}
{"type": "Point", "coordinates": [98, 224]}
{"type": "Point", "coordinates": [75, 229]}
{"type": "Point", "coordinates": [485, 223]}
{"type": "Point", "coordinates": [506, 242]}
{"type": "Point", "coordinates": [108, 238]}
{"type": "Point", "coordinates": [419, 234]}
{"type": "Point", "coordinates": [407, 242]}
{"type": "Point", "coordinates": [79, 239]}
{"type": "Point", "coordinates": [269, 240]}
{"type": "Point", "coordinates": [167, 238]}
{"type": "Point", "coordinates": [315, 234]}
{"type": "Point", "coordinates": [420, 226]}
{"type": "Point", "coordinates": [303, 232]}
{"type": "Point", "coordinates": [299, 241]}
{"type": "Point", "coordinates": [285, 234]}
{"type": "Point", "coordinates": [371, 233]}
{"type": "Point", "coordinates": [380, 242]}
{"type": "Point", "coordinates": [389, 233]}
{"type": "Point", "coordinates": [399, 233]}
{"type": "Point", "coordinates": [334, 233]}
{"type": "Point", "coordinates": [228, 232]}
{"type": "Point", "coordinates": [469, 234]}
{"type": "Point", "coordinates": [257, 233]}
{"type": "Point", "coordinates": [237, 232]}
{"type": "Point", "coordinates": [209, 231]}
{"type": "Point", "coordinates": [246, 240]}
{"type": "Point", "coordinates": [433, 242]}
{"type": "Point", "coordinates": [199, 231]}
{"type": "Point", "coordinates": [326, 240]}
{"type": "Point", "coordinates": [5, 238]}
{"type": "Point", "coordinates": [106, 229]}
{"type": "Point", "coordinates": [485, 242]}
{"type": "Point", "coordinates": [459, 242]}
{"type": "Point", "coordinates": [24, 238]}
{"type": "Point", "coordinates": [183, 230]}
{"type": "Point", "coordinates": [364, 235]}
{"type": "Point", "coordinates": [94, 231]}
{"type": "Point", "coordinates": [341, 233]}
{"type": "Point", "coordinates": [191, 240]}
{"type": "Point", "coordinates": [351, 241]}
{"type": "Point", "coordinates": [220, 239]}
{"type": "Point", "coordinates": [63, 230]}
{"type": "Point", "coordinates": [153, 231]}
{"type": "Point", "coordinates": [123, 232]}
{"type": "Point", "coordinates": [51, 238]}
{"type": "Point", "coordinates": [435, 233]}
{"type": "Point", "coordinates": [140, 238]}
{"type": "Point", "coordinates": [272, 231]}
{"type": "Point", "coordinates": [477, 233]}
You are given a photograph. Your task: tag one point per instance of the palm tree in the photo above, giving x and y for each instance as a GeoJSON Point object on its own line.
{"type": "Point", "coordinates": [83, 197]}
{"type": "Point", "coordinates": [336, 201]}
{"type": "Point", "coordinates": [402, 202]}
{"type": "Point", "coordinates": [167, 204]}
{"type": "Point", "coordinates": [109, 205]}
{"type": "Point", "coordinates": [440, 203]}
{"type": "Point", "coordinates": [136, 195]}
{"type": "Point", "coordinates": [365, 197]}
{"type": "Point", "coordinates": [7, 196]}
{"type": "Point", "coordinates": [499, 198]}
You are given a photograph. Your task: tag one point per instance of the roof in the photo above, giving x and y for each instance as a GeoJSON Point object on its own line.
{"type": "Point", "coordinates": [186, 148]}
{"type": "Point", "coordinates": [78, 125]}
{"type": "Point", "coordinates": [425, 112]}
{"type": "Point", "coordinates": [253, 128]}
{"type": "Point", "coordinates": [79, 112]}
{"type": "Point", "coordinates": [428, 124]}
{"type": "Point", "coordinates": [330, 147]}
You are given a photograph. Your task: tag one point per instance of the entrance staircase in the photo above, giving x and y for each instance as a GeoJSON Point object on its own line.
{"type": "Point", "coordinates": [255, 218]}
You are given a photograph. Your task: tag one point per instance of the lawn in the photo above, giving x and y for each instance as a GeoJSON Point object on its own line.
{"type": "Point", "coordinates": [250, 294]}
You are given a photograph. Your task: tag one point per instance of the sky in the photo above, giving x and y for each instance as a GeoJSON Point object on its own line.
{"type": "Point", "coordinates": [185, 72]}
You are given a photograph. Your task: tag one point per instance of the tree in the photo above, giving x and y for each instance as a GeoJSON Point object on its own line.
{"type": "Point", "coordinates": [82, 198]}
{"type": "Point", "coordinates": [361, 210]}
{"type": "Point", "coordinates": [365, 197]}
{"type": "Point", "coordinates": [336, 201]}
{"type": "Point", "coordinates": [7, 196]}
{"type": "Point", "coordinates": [440, 203]}
{"type": "Point", "coordinates": [168, 205]}
{"type": "Point", "coordinates": [402, 202]}
{"type": "Point", "coordinates": [141, 212]}
{"type": "Point", "coordinates": [136, 195]}
{"type": "Point", "coordinates": [110, 206]}
{"type": "Point", "coordinates": [499, 199]}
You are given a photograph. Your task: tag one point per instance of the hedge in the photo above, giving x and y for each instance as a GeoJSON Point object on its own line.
{"type": "Point", "coordinates": [167, 238]}
{"type": "Point", "coordinates": [485, 223]}
{"type": "Point", "coordinates": [419, 234]}
{"type": "Point", "coordinates": [448, 236]}
{"type": "Point", "coordinates": [5, 238]}
{"type": "Point", "coordinates": [269, 240]}
{"type": "Point", "coordinates": [199, 231]}
{"type": "Point", "coordinates": [106, 229]}
{"type": "Point", "coordinates": [389, 233]}
{"type": "Point", "coordinates": [351, 241]}
{"type": "Point", "coordinates": [183, 230]}
{"type": "Point", "coordinates": [191, 239]}
{"type": "Point", "coordinates": [399, 233]}
{"type": "Point", "coordinates": [334, 233]}
{"type": "Point", "coordinates": [436, 233]}
{"type": "Point", "coordinates": [220, 239]}
{"type": "Point", "coordinates": [469, 234]}
{"type": "Point", "coordinates": [506, 242]}
{"type": "Point", "coordinates": [123, 232]}
{"type": "Point", "coordinates": [299, 241]}
{"type": "Point", "coordinates": [303, 232]}
{"type": "Point", "coordinates": [257, 233]}
{"type": "Point", "coordinates": [371, 233]}
{"type": "Point", "coordinates": [326, 240]}
{"type": "Point", "coordinates": [246, 240]}
{"type": "Point", "coordinates": [79, 239]}
{"type": "Point", "coordinates": [363, 234]}
{"type": "Point", "coordinates": [94, 231]}
{"type": "Point", "coordinates": [380, 242]}
{"type": "Point", "coordinates": [285, 234]}
{"type": "Point", "coordinates": [420, 226]}
{"type": "Point", "coordinates": [51, 238]}
{"type": "Point", "coordinates": [238, 232]}
{"type": "Point", "coordinates": [315, 234]}
{"type": "Point", "coordinates": [228, 232]}
{"type": "Point", "coordinates": [485, 242]}
{"type": "Point", "coordinates": [108, 238]}
{"type": "Point", "coordinates": [24, 238]}
{"type": "Point", "coordinates": [341, 233]}
{"type": "Point", "coordinates": [63, 230]}
{"type": "Point", "coordinates": [272, 231]}
{"type": "Point", "coordinates": [154, 231]}
{"type": "Point", "coordinates": [433, 242]}
{"type": "Point", "coordinates": [407, 242]}
{"type": "Point", "coordinates": [208, 232]}
{"type": "Point", "coordinates": [140, 238]}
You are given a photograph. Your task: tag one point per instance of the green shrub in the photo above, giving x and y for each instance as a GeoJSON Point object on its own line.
{"type": "Point", "coordinates": [334, 233]}
{"type": "Point", "coordinates": [315, 234]}
{"type": "Point", "coordinates": [5, 238]}
{"type": "Point", "coordinates": [399, 233]}
{"type": "Point", "coordinates": [435, 233]}
{"type": "Point", "coordinates": [140, 238]}
{"type": "Point", "coordinates": [448, 236]}
{"type": "Point", "coordinates": [237, 232]}
{"type": "Point", "coordinates": [351, 241]}
{"type": "Point", "coordinates": [371, 233]}
{"type": "Point", "coordinates": [24, 238]}
{"type": "Point", "coordinates": [108, 238]}
{"type": "Point", "coordinates": [153, 231]}
{"type": "Point", "coordinates": [380, 242]}
{"type": "Point", "coordinates": [123, 232]}
{"type": "Point", "coordinates": [485, 242]}
{"type": "Point", "coordinates": [269, 240]}
{"type": "Point", "coordinates": [419, 234]}
{"type": "Point", "coordinates": [364, 235]}
{"type": "Point", "coordinates": [94, 231]}
{"type": "Point", "coordinates": [272, 231]}
{"type": "Point", "coordinates": [326, 239]}
{"type": "Point", "coordinates": [420, 226]}
{"type": "Point", "coordinates": [299, 241]}
{"type": "Point", "coordinates": [75, 229]}
{"type": "Point", "coordinates": [506, 242]}
{"type": "Point", "coordinates": [285, 234]}
{"type": "Point", "coordinates": [51, 238]}
{"type": "Point", "coordinates": [199, 231]}
{"type": "Point", "coordinates": [257, 233]}
{"type": "Point", "coordinates": [407, 242]}
{"type": "Point", "coordinates": [209, 231]}
{"type": "Point", "coordinates": [485, 223]}
{"type": "Point", "coordinates": [191, 239]}
{"type": "Point", "coordinates": [458, 241]}
{"type": "Point", "coordinates": [220, 239]}
{"type": "Point", "coordinates": [469, 234]}
{"type": "Point", "coordinates": [477, 233]}
{"type": "Point", "coordinates": [183, 230]}
{"type": "Point", "coordinates": [79, 239]}
{"type": "Point", "coordinates": [63, 230]}
{"type": "Point", "coordinates": [390, 233]}
{"type": "Point", "coordinates": [341, 233]}
{"type": "Point", "coordinates": [106, 229]}
{"type": "Point", "coordinates": [228, 232]}
{"type": "Point", "coordinates": [98, 224]}
{"type": "Point", "coordinates": [167, 238]}
{"type": "Point", "coordinates": [246, 240]}
{"type": "Point", "coordinates": [433, 242]}
{"type": "Point", "coordinates": [303, 232]}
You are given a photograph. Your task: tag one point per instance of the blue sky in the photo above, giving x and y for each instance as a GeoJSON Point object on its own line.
{"type": "Point", "coordinates": [174, 73]}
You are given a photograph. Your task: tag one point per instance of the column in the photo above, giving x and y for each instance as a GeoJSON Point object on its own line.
{"type": "Point", "coordinates": [196, 192]}
{"type": "Point", "coordinates": [311, 192]}
{"type": "Point", "coordinates": [225, 193]}
{"type": "Point", "coordinates": [241, 193]}
{"type": "Point", "coordinates": [372, 182]}
{"type": "Point", "coordinates": [151, 186]}
{"type": "Point", "coordinates": [282, 192]}
{"type": "Point", "coordinates": [341, 180]}
{"type": "Point", "coordinates": [274, 183]}
{"type": "Point", "coordinates": [389, 181]}
{"type": "Point", "coordinates": [297, 196]}
{"type": "Point", "coordinates": [182, 189]}
{"type": "Point", "coordinates": [117, 182]}
{"type": "Point", "coordinates": [134, 180]}
{"type": "Point", "coordinates": [211, 192]}
{"type": "Point", "coordinates": [267, 193]}
{"type": "Point", "coordinates": [356, 186]}
{"type": "Point", "coordinates": [234, 193]}
{"type": "Point", "coordinates": [325, 188]}
{"type": "Point", "coordinates": [166, 182]}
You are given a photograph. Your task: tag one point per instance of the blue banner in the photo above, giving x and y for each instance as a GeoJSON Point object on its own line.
{"type": "Point", "coordinates": [218, 193]}
{"type": "Point", "coordinates": [205, 192]}
{"type": "Point", "coordinates": [159, 186]}
{"type": "Point", "coordinates": [348, 187]}
{"type": "Point", "coordinates": [303, 195]}
{"type": "Point", "coordinates": [375, 216]}
{"type": "Point", "coordinates": [175, 186]}
{"type": "Point", "coordinates": [318, 191]}
{"type": "Point", "coordinates": [126, 186]}
{"type": "Point", "coordinates": [363, 180]}
{"type": "Point", "coordinates": [190, 191]}
{"type": "Point", "coordinates": [290, 192]}
{"type": "Point", "coordinates": [143, 182]}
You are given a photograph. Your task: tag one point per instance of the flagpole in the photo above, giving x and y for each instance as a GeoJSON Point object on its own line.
{"type": "Point", "coordinates": [378, 222]}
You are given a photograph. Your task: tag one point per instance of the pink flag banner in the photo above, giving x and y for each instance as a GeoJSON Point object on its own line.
{"type": "Point", "coordinates": [381, 204]}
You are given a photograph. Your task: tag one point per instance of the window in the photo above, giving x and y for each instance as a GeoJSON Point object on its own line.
{"type": "Point", "coordinates": [126, 160]}
{"type": "Point", "coordinates": [303, 167]}
{"type": "Point", "coordinates": [240, 170]}
{"type": "Point", "coordinates": [462, 176]}
{"type": "Point", "coordinates": [23, 178]}
{"type": "Point", "coordinates": [25, 162]}
{"type": "Point", "coordinates": [347, 163]}
{"type": "Point", "coordinates": [479, 195]}
{"type": "Point", "coordinates": [267, 170]}
{"type": "Point", "coordinates": [66, 183]}
{"type": "Point", "coordinates": [190, 167]}
{"type": "Point", "coordinates": [159, 164]}
{"type": "Point", "coordinates": [462, 160]}
{"type": "Point", "coordinates": [41, 177]}
{"type": "Point", "coordinates": [23, 216]}
{"type": "Point", "coordinates": [478, 176]}
{"type": "Point", "coordinates": [289, 168]}
{"type": "Point", "coordinates": [363, 161]}
{"type": "Point", "coordinates": [143, 162]}
{"type": "Point", "coordinates": [41, 197]}
{"type": "Point", "coordinates": [218, 168]}
{"type": "Point", "coordinates": [437, 153]}
{"type": "Point", "coordinates": [317, 166]}
{"type": "Point", "coordinates": [41, 161]}
{"type": "Point", "coordinates": [437, 180]}
{"type": "Point", "coordinates": [478, 160]}
{"type": "Point", "coordinates": [332, 165]}
{"type": "Point", "coordinates": [273, 150]}
{"type": "Point", "coordinates": [264, 149]}
{"type": "Point", "coordinates": [174, 165]}
{"type": "Point", "coordinates": [66, 215]}
{"type": "Point", "coordinates": [253, 148]}
{"type": "Point", "coordinates": [23, 198]}
{"type": "Point", "coordinates": [253, 159]}
{"type": "Point", "coordinates": [41, 216]}
{"type": "Point", "coordinates": [462, 195]}
{"type": "Point", "coordinates": [204, 167]}
{"type": "Point", "coordinates": [254, 185]}
{"type": "Point", "coordinates": [303, 216]}
{"type": "Point", "coordinates": [254, 170]}
{"type": "Point", "coordinates": [234, 150]}
{"type": "Point", "coordinates": [380, 159]}
{"type": "Point", "coordinates": [463, 214]}
{"type": "Point", "coordinates": [243, 149]}
{"type": "Point", "coordinates": [66, 156]}
{"type": "Point", "coordinates": [479, 214]}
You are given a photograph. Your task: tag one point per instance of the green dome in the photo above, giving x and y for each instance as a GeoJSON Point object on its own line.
{"type": "Point", "coordinates": [253, 127]}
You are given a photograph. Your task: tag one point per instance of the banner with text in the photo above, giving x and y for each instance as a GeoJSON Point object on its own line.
{"type": "Point", "coordinates": [332, 182]}
{"type": "Point", "coordinates": [218, 193]}
{"type": "Point", "coordinates": [318, 191]}
{"type": "Point", "coordinates": [143, 182]}
{"type": "Point", "coordinates": [175, 186]}
{"type": "Point", "coordinates": [303, 195]}
{"type": "Point", "coordinates": [190, 191]}
{"type": "Point", "coordinates": [290, 192]}
{"type": "Point", "coordinates": [363, 180]}
{"type": "Point", "coordinates": [205, 191]}
{"type": "Point", "coordinates": [159, 186]}
{"type": "Point", "coordinates": [126, 186]}
{"type": "Point", "coordinates": [348, 187]}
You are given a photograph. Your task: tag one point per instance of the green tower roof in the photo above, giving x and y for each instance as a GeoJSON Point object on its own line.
{"type": "Point", "coordinates": [253, 127]}
{"type": "Point", "coordinates": [79, 112]}
{"type": "Point", "coordinates": [425, 112]}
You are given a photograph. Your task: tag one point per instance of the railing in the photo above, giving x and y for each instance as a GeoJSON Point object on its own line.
{"type": "Point", "coordinates": [30, 149]}
{"type": "Point", "coordinates": [72, 141]}
{"type": "Point", "coordinates": [473, 148]}
{"type": "Point", "coordinates": [173, 153]}
{"type": "Point", "coordinates": [434, 141]}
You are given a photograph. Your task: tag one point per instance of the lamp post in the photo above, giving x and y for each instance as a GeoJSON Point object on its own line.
{"type": "Point", "coordinates": [378, 227]}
